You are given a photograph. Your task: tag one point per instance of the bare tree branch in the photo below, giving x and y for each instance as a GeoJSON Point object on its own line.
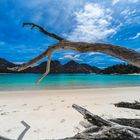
{"type": "Point", "coordinates": [47, 69]}
{"type": "Point", "coordinates": [36, 59]}
{"type": "Point", "coordinates": [41, 29]}
{"type": "Point", "coordinates": [119, 52]}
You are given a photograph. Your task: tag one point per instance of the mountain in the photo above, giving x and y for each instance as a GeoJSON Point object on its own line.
{"type": "Point", "coordinates": [74, 67]}
{"type": "Point", "coordinates": [121, 69]}
{"type": "Point", "coordinates": [92, 69]}
{"type": "Point", "coordinates": [56, 67]}
{"type": "Point", "coordinates": [70, 67]}
{"type": "Point", "coordinates": [4, 64]}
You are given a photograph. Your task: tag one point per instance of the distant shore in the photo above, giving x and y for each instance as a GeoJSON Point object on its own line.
{"type": "Point", "coordinates": [49, 112]}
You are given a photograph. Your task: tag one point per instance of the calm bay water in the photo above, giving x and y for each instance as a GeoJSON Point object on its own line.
{"type": "Point", "coordinates": [66, 81]}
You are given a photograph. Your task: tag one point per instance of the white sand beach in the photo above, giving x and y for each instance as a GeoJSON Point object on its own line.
{"type": "Point", "coordinates": [50, 115]}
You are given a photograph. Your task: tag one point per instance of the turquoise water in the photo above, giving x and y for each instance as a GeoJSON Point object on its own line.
{"type": "Point", "coordinates": [66, 81]}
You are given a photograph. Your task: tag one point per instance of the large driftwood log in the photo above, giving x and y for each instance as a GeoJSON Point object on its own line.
{"type": "Point", "coordinates": [104, 129]}
{"type": "Point", "coordinates": [101, 129]}
{"type": "Point", "coordinates": [122, 53]}
{"type": "Point", "coordinates": [128, 122]}
{"type": "Point", "coordinates": [135, 105]}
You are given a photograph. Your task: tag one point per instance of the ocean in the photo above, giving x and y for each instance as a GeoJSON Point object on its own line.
{"type": "Point", "coordinates": [16, 82]}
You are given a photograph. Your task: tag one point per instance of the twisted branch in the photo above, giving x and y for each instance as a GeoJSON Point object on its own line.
{"type": "Point", "coordinates": [122, 53]}
{"type": "Point", "coordinates": [41, 29]}
{"type": "Point", "coordinates": [104, 129]}
{"type": "Point", "coordinates": [47, 69]}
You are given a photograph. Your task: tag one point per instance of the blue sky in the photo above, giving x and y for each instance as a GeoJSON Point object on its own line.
{"type": "Point", "coordinates": [109, 21]}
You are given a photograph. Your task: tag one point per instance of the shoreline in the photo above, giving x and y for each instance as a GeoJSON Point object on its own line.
{"type": "Point", "coordinates": [49, 112]}
{"type": "Point", "coordinates": [65, 89]}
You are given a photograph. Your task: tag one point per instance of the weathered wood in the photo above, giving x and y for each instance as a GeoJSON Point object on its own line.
{"type": "Point", "coordinates": [128, 122]}
{"type": "Point", "coordinates": [41, 29]}
{"type": "Point", "coordinates": [105, 130]}
{"type": "Point", "coordinates": [122, 53]}
{"type": "Point", "coordinates": [101, 129]}
{"type": "Point", "coordinates": [27, 127]}
{"type": "Point", "coordinates": [93, 119]}
{"type": "Point", "coordinates": [135, 105]}
{"type": "Point", "coordinates": [47, 68]}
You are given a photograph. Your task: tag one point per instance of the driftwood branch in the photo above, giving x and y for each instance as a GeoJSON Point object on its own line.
{"type": "Point", "coordinates": [100, 128]}
{"type": "Point", "coordinates": [41, 29]}
{"type": "Point", "coordinates": [122, 53]}
{"type": "Point", "coordinates": [20, 137]}
{"type": "Point", "coordinates": [47, 69]}
{"type": "Point", "coordinates": [27, 127]}
{"type": "Point", "coordinates": [104, 129]}
{"type": "Point", "coordinates": [94, 119]}
{"type": "Point", "coordinates": [128, 122]}
{"type": "Point", "coordinates": [135, 105]}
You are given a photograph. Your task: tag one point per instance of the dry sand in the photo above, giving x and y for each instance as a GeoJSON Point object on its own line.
{"type": "Point", "coordinates": [50, 115]}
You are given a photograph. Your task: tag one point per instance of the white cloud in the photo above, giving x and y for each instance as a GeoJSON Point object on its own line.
{"type": "Point", "coordinates": [128, 1]}
{"type": "Point", "coordinates": [48, 12]}
{"type": "Point", "coordinates": [136, 36]}
{"type": "Point", "coordinates": [128, 12]}
{"type": "Point", "coordinates": [71, 56]}
{"type": "Point", "coordinates": [93, 24]}
{"type": "Point", "coordinates": [93, 53]}
{"type": "Point", "coordinates": [115, 1]}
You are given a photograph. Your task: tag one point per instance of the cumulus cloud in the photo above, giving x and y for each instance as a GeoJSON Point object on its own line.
{"type": "Point", "coordinates": [93, 24]}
